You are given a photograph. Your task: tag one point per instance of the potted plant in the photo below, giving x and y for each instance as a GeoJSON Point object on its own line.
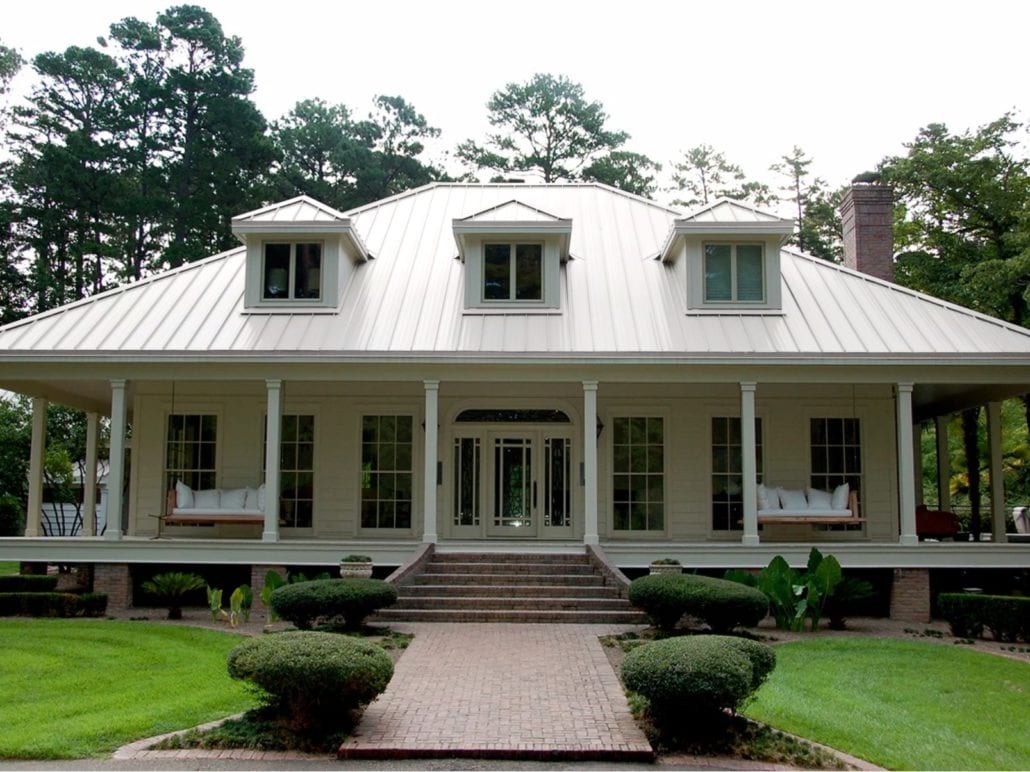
{"type": "Point", "coordinates": [666, 566]}
{"type": "Point", "coordinates": [356, 566]}
{"type": "Point", "coordinates": [171, 588]}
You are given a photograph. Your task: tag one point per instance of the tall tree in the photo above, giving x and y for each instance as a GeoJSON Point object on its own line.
{"type": "Point", "coordinates": [398, 134]}
{"type": "Point", "coordinates": [546, 126]}
{"type": "Point", "coordinates": [802, 189]}
{"type": "Point", "coordinates": [623, 169]}
{"type": "Point", "coordinates": [704, 175]}
{"type": "Point", "coordinates": [13, 284]}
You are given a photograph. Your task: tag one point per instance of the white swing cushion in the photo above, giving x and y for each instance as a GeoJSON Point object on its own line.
{"type": "Point", "coordinates": [818, 499]}
{"type": "Point", "coordinates": [768, 500]}
{"type": "Point", "coordinates": [793, 500]}
{"type": "Point", "coordinates": [841, 495]}
{"type": "Point", "coordinates": [183, 495]}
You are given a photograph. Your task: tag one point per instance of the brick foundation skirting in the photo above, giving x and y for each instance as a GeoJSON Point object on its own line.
{"type": "Point", "coordinates": [257, 581]}
{"type": "Point", "coordinates": [910, 595]}
{"type": "Point", "coordinates": [115, 580]}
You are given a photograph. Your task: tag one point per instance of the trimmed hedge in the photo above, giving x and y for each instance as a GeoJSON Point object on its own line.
{"type": "Point", "coordinates": [697, 674]}
{"type": "Point", "coordinates": [28, 583]}
{"type": "Point", "coordinates": [1007, 617]}
{"type": "Point", "coordinates": [721, 604]}
{"type": "Point", "coordinates": [312, 679]}
{"type": "Point", "coordinates": [52, 604]}
{"type": "Point", "coordinates": [352, 600]}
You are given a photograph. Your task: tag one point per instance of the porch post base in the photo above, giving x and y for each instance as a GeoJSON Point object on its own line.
{"type": "Point", "coordinates": [910, 595]}
{"type": "Point", "coordinates": [429, 538]}
{"type": "Point", "coordinates": [112, 534]}
{"type": "Point", "coordinates": [591, 538]}
{"type": "Point", "coordinates": [908, 540]}
{"type": "Point", "coordinates": [750, 540]}
{"type": "Point", "coordinates": [270, 536]}
{"type": "Point", "coordinates": [115, 580]}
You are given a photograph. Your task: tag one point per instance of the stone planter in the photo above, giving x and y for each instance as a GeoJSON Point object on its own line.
{"type": "Point", "coordinates": [356, 570]}
{"type": "Point", "coordinates": [665, 568]}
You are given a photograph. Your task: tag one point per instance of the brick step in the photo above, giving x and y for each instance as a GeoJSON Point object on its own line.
{"type": "Point", "coordinates": [507, 567]}
{"type": "Point", "coordinates": [511, 590]}
{"type": "Point", "coordinates": [475, 603]}
{"type": "Point", "coordinates": [580, 580]}
{"type": "Point", "coordinates": [510, 615]}
{"type": "Point", "coordinates": [508, 557]}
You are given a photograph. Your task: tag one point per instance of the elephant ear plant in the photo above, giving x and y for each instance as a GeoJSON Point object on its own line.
{"type": "Point", "coordinates": [795, 596]}
{"type": "Point", "coordinates": [822, 578]}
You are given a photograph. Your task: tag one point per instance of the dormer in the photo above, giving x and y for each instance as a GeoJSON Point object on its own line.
{"type": "Point", "coordinates": [730, 254]}
{"type": "Point", "coordinates": [300, 254]}
{"type": "Point", "coordinates": [512, 254]}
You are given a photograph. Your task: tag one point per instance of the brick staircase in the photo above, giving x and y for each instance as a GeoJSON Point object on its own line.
{"type": "Point", "coordinates": [503, 587]}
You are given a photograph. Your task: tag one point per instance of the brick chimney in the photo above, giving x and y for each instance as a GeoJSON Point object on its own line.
{"type": "Point", "coordinates": [867, 214]}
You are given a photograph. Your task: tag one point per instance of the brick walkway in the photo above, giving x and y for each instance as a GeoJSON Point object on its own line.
{"type": "Point", "coordinates": [523, 691]}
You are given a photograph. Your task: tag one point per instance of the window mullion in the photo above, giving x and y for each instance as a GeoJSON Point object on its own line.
{"type": "Point", "coordinates": [733, 272]}
{"type": "Point", "coordinates": [513, 272]}
{"type": "Point", "coordinates": [293, 271]}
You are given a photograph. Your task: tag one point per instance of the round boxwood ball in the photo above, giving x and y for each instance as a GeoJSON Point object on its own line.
{"type": "Point", "coordinates": [310, 678]}
{"type": "Point", "coordinates": [350, 599]}
{"type": "Point", "coordinates": [721, 604]}
{"type": "Point", "coordinates": [697, 674]}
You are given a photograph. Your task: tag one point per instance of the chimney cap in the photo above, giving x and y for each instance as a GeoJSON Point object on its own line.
{"type": "Point", "coordinates": [867, 178]}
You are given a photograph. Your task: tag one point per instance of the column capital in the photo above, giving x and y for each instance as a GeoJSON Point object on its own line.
{"type": "Point", "coordinates": [748, 385]}
{"type": "Point", "coordinates": [904, 387]}
{"type": "Point", "coordinates": [589, 385]}
{"type": "Point", "coordinates": [273, 383]}
{"type": "Point", "coordinates": [431, 385]}
{"type": "Point", "coordinates": [118, 383]}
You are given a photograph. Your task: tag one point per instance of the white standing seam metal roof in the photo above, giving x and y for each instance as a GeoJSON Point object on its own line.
{"type": "Point", "coordinates": [617, 299]}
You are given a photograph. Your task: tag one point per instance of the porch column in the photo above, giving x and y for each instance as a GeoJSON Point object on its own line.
{"type": "Point", "coordinates": [89, 476]}
{"type": "Point", "coordinates": [749, 463]}
{"type": "Point", "coordinates": [116, 464]}
{"type": "Point", "coordinates": [432, 388]}
{"type": "Point", "coordinates": [997, 472]}
{"type": "Point", "coordinates": [943, 464]}
{"type": "Point", "coordinates": [37, 454]}
{"type": "Point", "coordinates": [917, 460]}
{"type": "Point", "coordinates": [590, 535]}
{"type": "Point", "coordinates": [906, 466]}
{"type": "Point", "coordinates": [273, 432]}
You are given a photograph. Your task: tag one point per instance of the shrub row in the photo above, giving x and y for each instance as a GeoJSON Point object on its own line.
{"type": "Point", "coordinates": [1007, 617]}
{"type": "Point", "coordinates": [351, 600]}
{"type": "Point", "coordinates": [721, 604]}
{"type": "Point", "coordinates": [697, 674]}
{"type": "Point", "coordinates": [52, 604]}
{"type": "Point", "coordinates": [28, 583]}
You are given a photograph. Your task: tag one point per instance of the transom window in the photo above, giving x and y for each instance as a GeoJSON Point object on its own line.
{"type": "Point", "coordinates": [728, 472]}
{"type": "Point", "coordinates": [296, 470]}
{"type": "Point", "coordinates": [190, 450]}
{"type": "Point", "coordinates": [386, 471]}
{"type": "Point", "coordinates": [638, 496]}
{"type": "Point", "coordinates": [292, 271]}
{"type": "Point", "coordinates": [513, 272]}
{"type": "Point", "coordinates": [734, 273]}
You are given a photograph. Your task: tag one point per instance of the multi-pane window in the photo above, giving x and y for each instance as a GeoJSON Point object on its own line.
{"type": "Point", "coordinates": [836, 453]}
{"type": "Point", "coordinates": [728, 472]}
{"type": "Point", "coordinates": [386, 471]}
{"type": "Point", "coordinates": [513, 272]}
{"type": "Point", "coordinates": [296, 470]}
{"type": "Point", "coordinates": [734, 273]}
{"type": "Point", "coordinates": [190, 450]}
{"type": "Point", "coordinates": [638, 472]}
{"type": "Point", "coordinates": [557, 488]}
{"type": "Point", "coordinates": [466, 480]}
{"type": "Point", "coordinates": [292, 271]}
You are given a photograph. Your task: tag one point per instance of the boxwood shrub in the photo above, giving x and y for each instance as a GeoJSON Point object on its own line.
{"type": "Point", "coordinates": [52, 604]}
{"type": "Point", "coordinates": [310, 679]}
{"type": "Point", "coordinates": [352, 600]}
{"type": "Point", "coordinates": [721, 604]}
{"type": "Point", "coordinates": [28, 583]}
{"type": "Point", "coordinates": [1007, 617]}
{"type": "Point", "coordinates": [696, 674]}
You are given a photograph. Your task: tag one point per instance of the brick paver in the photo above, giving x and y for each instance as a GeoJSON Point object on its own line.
{"type": "Point", "coordinates": [501, 691]}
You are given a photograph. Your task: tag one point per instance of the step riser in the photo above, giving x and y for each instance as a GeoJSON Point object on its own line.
{"type": "Point", "coordinates": [504, 557]}
{"type": "Point", "coordinates": [508, 591]}
{"type": "Point", "coordinates": [519, 604]}
{"type": "Point", "coordinates": [567, 617]}
{"type": "Point", "coordinates": [579, 580]}
{"type": "Point", "coordinates": [508, 567]}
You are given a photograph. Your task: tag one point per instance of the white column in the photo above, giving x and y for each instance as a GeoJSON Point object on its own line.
{"type": "Point", "coordinates": [37, 455]}
{"type": "Point", "coordinates": [943, 463]}
{"type": "Point", "coordinates": [429, 535]}
{"type": "Point", "coordinates": [906, 467]}
{"type": "Point", "coordinates": [749, 463]}
{"type": "Point", "coordinates": [273, 434]}
{"type": "Point", "coordinates": [116, 464]}
{"type": "Point", "coordinates": [89, 476]}
{"type": "Point", "coordinates": [590, 534]}
{"type": "Point", "coordinates": [997, 472]}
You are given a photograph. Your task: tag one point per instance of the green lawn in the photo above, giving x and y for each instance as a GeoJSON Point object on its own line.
{"type": "Point", "coordinates": [9, 568]}
{"type": "Point", "coordinates": [77, 688]}
{"type": "Point", "coordinates": [902, 704]}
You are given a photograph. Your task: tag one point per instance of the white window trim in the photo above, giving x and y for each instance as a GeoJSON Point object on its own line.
{"type": "Point", "coordinates": [511, 300]}
{"type": "Point", "coordinates": [292, 282]}
{"type": "Point", "coordinates": [733, 273]}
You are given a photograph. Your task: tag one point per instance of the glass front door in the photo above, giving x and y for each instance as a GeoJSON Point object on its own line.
{"type": "Point", "coordinates": [514, 493]}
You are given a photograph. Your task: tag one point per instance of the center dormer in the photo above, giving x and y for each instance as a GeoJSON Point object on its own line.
{"type": "Point", "coordinates": [300, 254]}
{"type": "Point", "coordinates": [512, 254]}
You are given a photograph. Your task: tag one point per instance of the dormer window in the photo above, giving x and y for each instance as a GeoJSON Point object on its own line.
{"type": "Point", "coordinates": [734, 273]}
{"type": "Point", "coordinates": [513, 271]}
{"type": "Point", "coordinates": [292, 271]}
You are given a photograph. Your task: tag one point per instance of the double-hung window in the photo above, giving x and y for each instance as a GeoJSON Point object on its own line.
{"type": "Point", "coordinates": [190, 446]}
{"type": "Point", "coordinates": [836, 453]}
{"type": "Point", "coordinates": [386, 471]}
{"type": "Point", "coordinates": [728, 472]}
{"type": "Point", "coordinates": [734, 273]}
{"type": "Point", "coordinates": [513, 272]}
{"type": "Point", "coordinates": [638, 479]}
{"type": "Point", "coordinates": [292, 271]}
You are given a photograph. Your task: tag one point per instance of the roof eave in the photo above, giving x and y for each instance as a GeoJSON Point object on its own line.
{"type": "Point", "coordinates": [683, 228]}
{"type": "Point", "coordinates": [562, 228]}
{"type": "Point", "coordinates": [344, 228]}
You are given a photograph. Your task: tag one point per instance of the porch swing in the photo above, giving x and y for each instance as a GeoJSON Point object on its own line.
{"type": "Point", "coordinates": [183, 506]}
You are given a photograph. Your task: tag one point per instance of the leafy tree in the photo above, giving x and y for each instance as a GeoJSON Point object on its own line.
{"type": "Point", "coordinates": [804, 191]}
{"type": "Point", "coordinates": [704, 175]}
{"type": "Point", "coordinates": [547, 126]}
{"type": "Point", "coordinates": [398, 134]}
{"type": "Point", "coordinates": [15, 439]}
{"type": "Point", "coordinates": [632, 172]}
{"type": "Point", "coordinates": [10, 63]}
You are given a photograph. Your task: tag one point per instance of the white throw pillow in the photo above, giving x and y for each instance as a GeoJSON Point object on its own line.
{"type": "Point", "coordinates": [261, 497]}
{"type": "Point", "coordinates": [208, 499]}
{"type": "Point", "coordinates": [818, 499]}
{"type": "Point", "coordinates": [767, 499]}
{"type": "Point", "coordinates": [251, 502]}
{"type": "Point", "coordinates": [183, 495]}
{"type": "Point", "coordinates": [233, 499]}
{"type": "Point", "coordinates": [841, 494]}
{"type": "Point", "coordinates": [792, 500]}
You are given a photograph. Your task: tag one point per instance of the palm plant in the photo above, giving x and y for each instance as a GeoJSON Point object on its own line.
{"type": "Point", "coordinates": [171, 588]}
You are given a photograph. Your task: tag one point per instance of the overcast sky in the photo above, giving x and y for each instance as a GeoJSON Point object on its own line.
{"type": "Point", "coordinates": [848, 81]}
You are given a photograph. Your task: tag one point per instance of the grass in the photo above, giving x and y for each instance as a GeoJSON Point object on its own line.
{"type": "Point", "coordinates": [9, 568]}
{"type": "Point", "coordinates": [902, 704]}
{"type": "Point", "coordinates": [78, 688]}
